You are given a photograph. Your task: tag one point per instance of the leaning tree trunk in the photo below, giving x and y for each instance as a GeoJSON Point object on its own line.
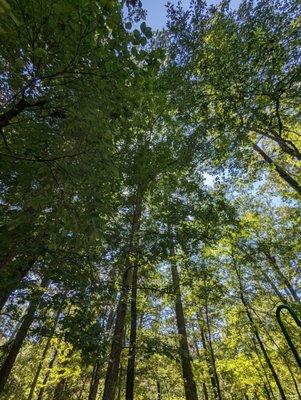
{"type": "Point", "coordinates": [130, 375]}
{"type": "Point", "coordinates": [259, 341]}
{"type": "Point", "coordinates": [18, 341]}
{"type": "Point", "coordinates": [117, 341]}
{"type": "Point", "coordinates": [262, 272]}
{"type": "Point", "coordinates": [189, 383]}
{"type": "Point", "coordinates": [274, 264]}
{"type": "Point", "coordinates": [263, 367]}
{"type": "Point", "coordinates": [281, 172]}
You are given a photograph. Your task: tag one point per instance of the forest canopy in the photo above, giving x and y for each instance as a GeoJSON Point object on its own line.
{"type": "Point", "coordinates": [150, 186]}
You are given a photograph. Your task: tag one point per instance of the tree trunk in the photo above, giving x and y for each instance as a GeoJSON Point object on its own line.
{"type": "Point", "coordinates": [10, 280]}
{"type": "Point", "coordinates": [273, 262]}
{"type": "Point", "coordinates": [94, 382]}
{"type": "Point", "coordinates": [267, 392]}
{"type": "Point", "coordinates": [130, 377]}
{"type": "Point", "coordinates": [262, 347]}
{"type": "Point", "coordinates": [211, 367]}
{"type": "Point", "coordinates": [120, 377]}
{"type": "Point", "coordinates": [17, 343]}
{"type": "Point", "coordinates": [118, 335]}
{"type": "Point", "coordinates": [38, 371]}
{"type": "Point", "coordinates": [45, 380]}
{"type": "Point", "coordinates": [286, 146]}
{"type": "Point", "coordinates": [60, 389]}
{"type": "Point", "coordinates": [212, 355]}
{"type": "Point", "coordinates": [256, 333]}
{"type": "Point", "coordinates": [266, 276]}
{"type": "Point", "coordinates": [263, 367]}
{"type": "Point", "coordinates": [281, 172]}
{"type": "Point", "coordinates": [189, 383]}
{"type": "Point", "coordinates": [159, 391]}
{"type": "Point", "coordinates": [205, 391]}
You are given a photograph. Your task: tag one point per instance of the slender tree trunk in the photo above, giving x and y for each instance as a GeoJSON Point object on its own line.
{"type": "Point", "coordinates": [48, 343]}
{"type": "Point", "coordinates": [120, 377]}
{"type": "Point", "coordinates": [274, 287]}
{"type": "Point", "coordinates": [284, 356]}
{"type": "Point", "coordinates": [130, 377]}
{"type": "Point", "coordinates": [212, 355]}
{"type": "Point", "coordinates": [212, 371]}
{"type": "Point", "coordinates": [117, 341]}
{"type": "Point", "coordinates": [17, 343]}
{"type": "Point", "coordinates": [281, 172]}
{"type": "Point", "coordinates": [45, 380]}
{"type": "Point", "coordinates": [272, 260]}
{"type": "Point", "coordinates": [159, 391]}
{"type": "Point", "coordinates": [256, 333]}
{"type": "Point", "coordinates": [205, 391]}
{"type": "Point", "coordinates": [265, 275]}
{"type": "Point", "coordinates": [263, 367]}
{"type": "Point", "coordinates": [94, 382]}
{"type": "Point", "coordinates": [60, 389]}
{"type": "Point", "coordinates": [286, 146]}
{"type": "Point", "coordinates": [262, 347]}
{"type": "Point", "coordinates": [267, 392]}
{"type": "Point", "coordinates": [189, 383]}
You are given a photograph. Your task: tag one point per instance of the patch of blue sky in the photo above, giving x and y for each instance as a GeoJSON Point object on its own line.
{"type": "Point", "coordinates": [156, 10]}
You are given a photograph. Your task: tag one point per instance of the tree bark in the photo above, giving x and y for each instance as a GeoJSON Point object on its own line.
{"type": "Point", "coordinates": [94, 382]}
{"type": "Point", "coordinates": [189, 383]}
{"type": "Point", "coordinates": [10, 280]}
{"type": "Point", "coordinates": [259, 341]}
{"type": "Point", "coordinates": [212, 355]}
{"type": "Point", "coordinates": [281, 172]}
{"type": "Point", "coordinates": [211, 367]}
{"type": "Point", "coordinates": [130, 377]}
{"type": "Point", "coordinates": [205, 391]}
{"type": "Point", "coordinates": [17, 343]}
{"type": "Point", "coordinates": [117, 341]}
{"type": "Point", "coordinates": [286, 146]}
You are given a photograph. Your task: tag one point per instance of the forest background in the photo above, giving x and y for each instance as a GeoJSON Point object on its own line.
{"type": "Point", "coordinates": [150, 190]}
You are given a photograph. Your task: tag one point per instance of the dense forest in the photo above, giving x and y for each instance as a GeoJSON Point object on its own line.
{"type": "Point", "coordinates": [150, 185]}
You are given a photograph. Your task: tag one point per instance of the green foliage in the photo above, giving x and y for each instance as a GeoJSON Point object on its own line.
{"type": "Point", "coordinates": [108, 132]}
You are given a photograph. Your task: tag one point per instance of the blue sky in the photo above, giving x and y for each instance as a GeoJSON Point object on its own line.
{"type": "Point", "coordinates": [156, 11]}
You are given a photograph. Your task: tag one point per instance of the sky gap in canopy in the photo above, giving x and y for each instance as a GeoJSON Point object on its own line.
{"type": "Point", "coordinates": [156, 10]}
